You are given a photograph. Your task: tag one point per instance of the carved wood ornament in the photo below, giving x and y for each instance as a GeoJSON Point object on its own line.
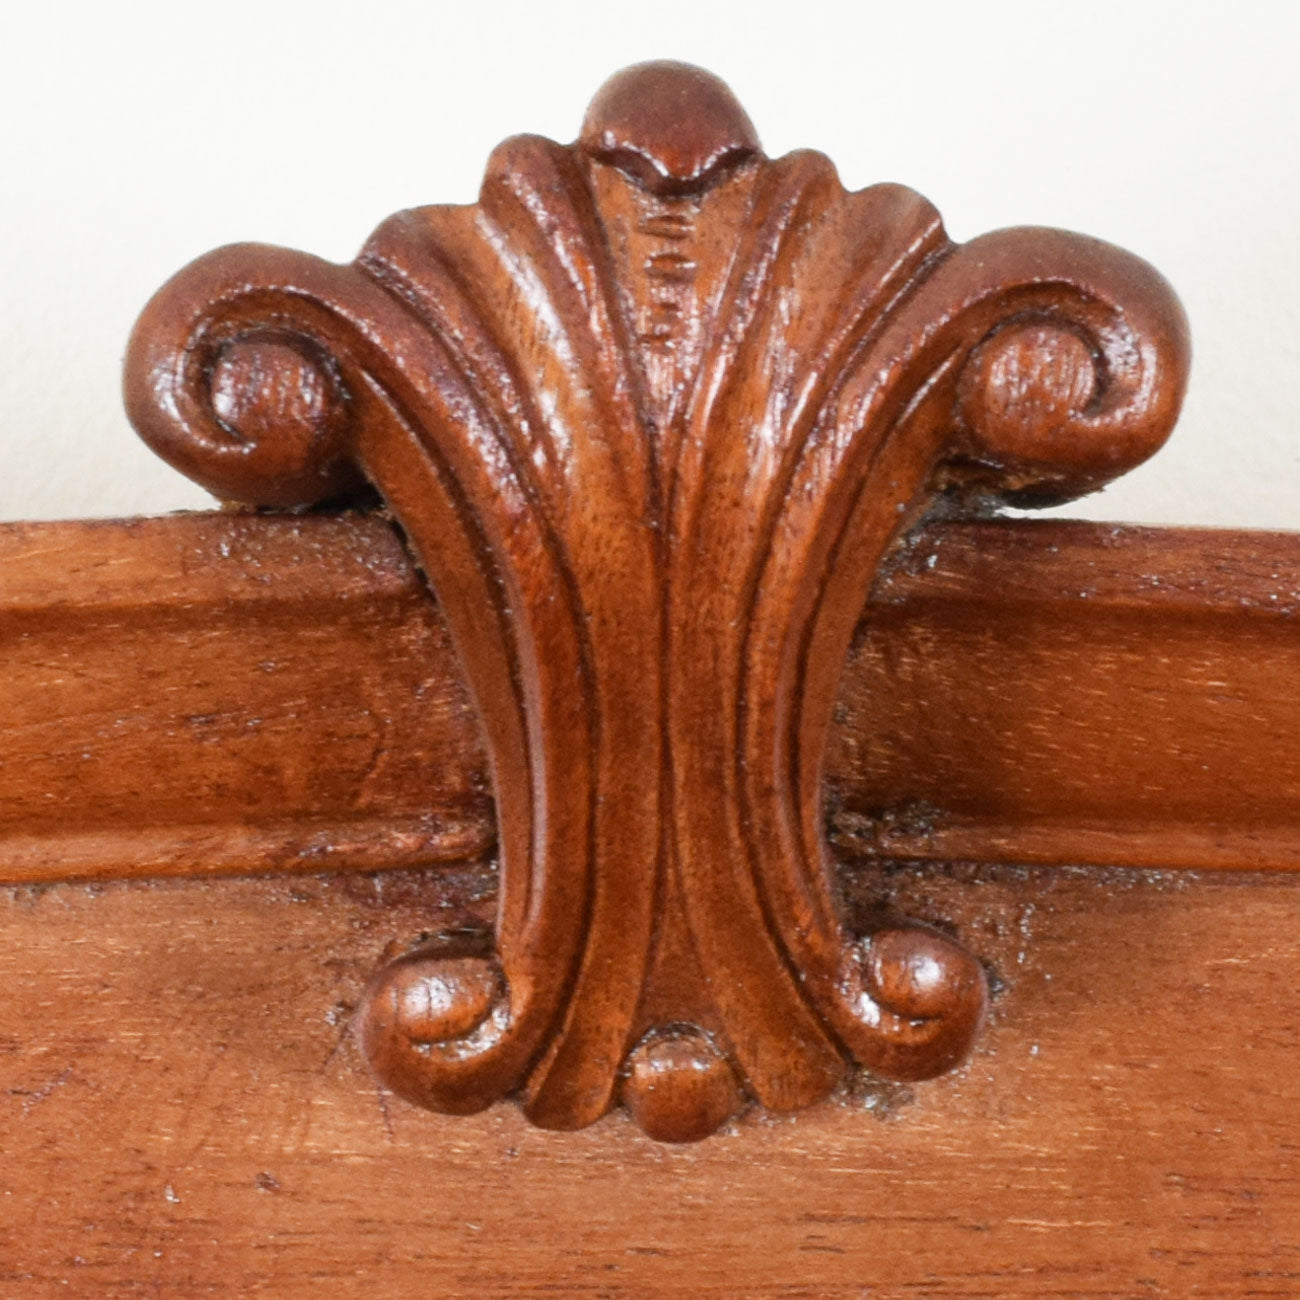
{"type": "Point", "coordinates": [651, 414]}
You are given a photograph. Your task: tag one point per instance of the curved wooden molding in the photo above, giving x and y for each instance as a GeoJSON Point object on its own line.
{"type": "Point", "coordinates": [651, 414]}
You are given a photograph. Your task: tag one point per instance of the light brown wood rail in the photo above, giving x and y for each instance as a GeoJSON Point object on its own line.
{"type": "Point", "coordinates": [238, 694]}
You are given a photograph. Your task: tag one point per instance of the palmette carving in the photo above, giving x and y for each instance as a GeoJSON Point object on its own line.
{"type": "Point", "coordinates": [651, 414]}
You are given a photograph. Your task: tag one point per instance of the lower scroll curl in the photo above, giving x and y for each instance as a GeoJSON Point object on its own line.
{"type": "Point", "coordinates": [428, 1013]}
{"type": "Point", "coordinates": [921, 998]}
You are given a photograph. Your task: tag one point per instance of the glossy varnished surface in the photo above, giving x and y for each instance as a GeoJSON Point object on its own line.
{"type": "Point", "coordinates": [183, 1115]}
{"type": "Point", "coordinates": [1021, 691]}
{"type": "Point", "coordinates": [672, 820]}
{"type": "Point", "coordinates": [223, 693]}
{"type": "Point", "coordinates": [1076, 693]}
{"type": "Point", "coordinates": [651, 414]}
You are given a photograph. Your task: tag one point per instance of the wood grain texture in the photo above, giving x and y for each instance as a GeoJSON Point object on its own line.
{"type": "Point", "coordinates": [226, 693]}
{"type": "Point", "coordinates": [183, 1113]}
{"type": "Point", "coordinates": [653, 417]}
{"type": "Point", "coordinates": [651, 414]}
{"type": "Point", "coordinates": [1019, 691]}
{"type": "Point", "coordinates": [1072, 693]}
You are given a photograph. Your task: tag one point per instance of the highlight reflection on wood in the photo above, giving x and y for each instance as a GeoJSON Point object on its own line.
{"type": "Point", "coordinates": [652, 414]}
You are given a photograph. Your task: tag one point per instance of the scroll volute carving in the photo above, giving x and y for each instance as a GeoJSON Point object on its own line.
{"type": "Point", "coordinates": [651, 414]}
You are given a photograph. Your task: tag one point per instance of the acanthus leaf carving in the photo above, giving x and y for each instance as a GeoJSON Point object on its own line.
{"type": "Point", "coordinates": [651, 415]}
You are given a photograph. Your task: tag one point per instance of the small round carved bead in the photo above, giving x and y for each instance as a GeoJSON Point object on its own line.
{"type": "Point", "coordinates": [284, 408]}
{"type": "Point", "coordinates": [1023, 389]}
{"type": "Point", "coordinates": [672, 127]}
{"type": "Point", "coordinates": [423, 1009]}
{"type": "Point", "coordinates": [920, 975]}
{"type": "Point", "coordinates": [679, 1088]}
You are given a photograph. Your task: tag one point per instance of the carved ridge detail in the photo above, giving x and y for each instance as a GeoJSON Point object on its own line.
{"type": "Point", "coordinates": [651, 415]}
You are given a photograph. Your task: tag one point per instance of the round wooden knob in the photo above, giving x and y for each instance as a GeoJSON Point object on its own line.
{"type": "Point", "coordinates": [671, 126]}
{"type": "Point", "coordinates": [679, 1087]}
{"type": "Point", "coordinates": [285, 411]}
{"type": "Point", "coordinates": [1023, 390]}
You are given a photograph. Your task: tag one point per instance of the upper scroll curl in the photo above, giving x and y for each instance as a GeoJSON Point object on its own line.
{"type": "Point", "coordinates": [1082, 377]}
{"type": "Point", "coordinates": [226, 379]}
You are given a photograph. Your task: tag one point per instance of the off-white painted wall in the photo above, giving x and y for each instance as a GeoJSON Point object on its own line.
{"type": "Point", "coordinates": [138, 135]}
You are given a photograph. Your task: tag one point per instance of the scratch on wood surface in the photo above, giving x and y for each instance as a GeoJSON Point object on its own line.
{"type": "Point", "coordinates": [33, 1097]}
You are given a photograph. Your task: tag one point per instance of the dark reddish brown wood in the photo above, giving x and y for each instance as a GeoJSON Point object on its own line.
{"type": "Point", "coordinates": [184, 1114]}
{"type": "Point", "coordinates": [224, 694]}
{"type": "Point", "coordinates": [1019, 691]}
{"type": "Point", "coordinates": [651, 414]}
{"type": "Point", "coordinates": [1075, 693]}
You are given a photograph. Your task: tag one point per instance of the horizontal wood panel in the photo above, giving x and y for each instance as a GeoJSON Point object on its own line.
{"type": "Point", "coordinates": [1077, 693]}
{"type": "Point", "coordinates": [184, 1113]}
{"type": "Point", "coordinates": [216, 694]}
{"type": "Point", "coordinates": [220, 693]}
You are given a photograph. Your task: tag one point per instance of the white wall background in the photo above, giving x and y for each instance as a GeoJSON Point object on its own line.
{"type": "Point", "coordinates": [138, 135]}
